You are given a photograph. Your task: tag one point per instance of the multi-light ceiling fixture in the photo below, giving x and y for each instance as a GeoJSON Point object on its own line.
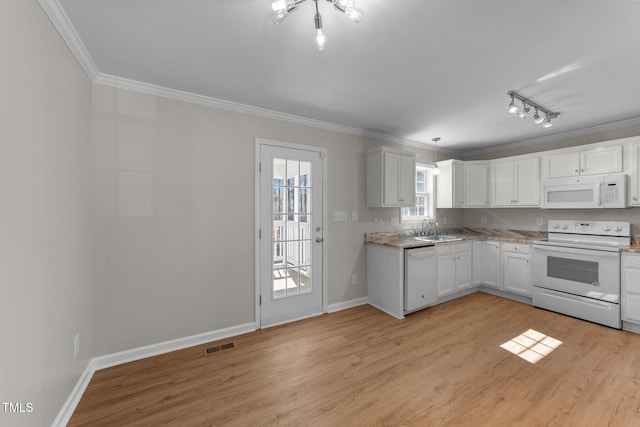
{"type": "Point", "coordinates": [283, 8]}
{"type": "Point", "coordinates": [527, 105]}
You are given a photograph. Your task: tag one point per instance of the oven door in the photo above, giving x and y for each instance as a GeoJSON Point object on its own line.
{"type": "Point", "coordinates": [584, 272]}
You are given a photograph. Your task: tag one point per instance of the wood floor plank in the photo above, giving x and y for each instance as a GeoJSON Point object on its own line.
{"type": "Point", "coordinates": [440, 366]}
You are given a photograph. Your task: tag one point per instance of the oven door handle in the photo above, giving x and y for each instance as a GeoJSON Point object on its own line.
{"type": "Point", "coordinates": [577, 251]}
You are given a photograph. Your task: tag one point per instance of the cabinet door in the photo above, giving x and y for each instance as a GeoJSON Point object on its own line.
{"type": "Point", "coordinates": [476, 262]}
{"type": "Point", "coordinates": [420, 278]}
{"type": "Point", "coordinates": [503, 184]}
{"type": "Point", "coordinates": [516, 273]}
{"type": "Point", "coordinates": [528, 182]}
{"type": "Point", "coordinates": [601, 160]}
{"type": "Point", "coordinates": [476, 185]}
{"type": "Point", "coordinates": [445, 270]}
{"type": "Point", "coordinates": [458, 185]}
{"type": "Point", "coordinates": [491, 265]}
{"type": "Point", "coordinates": [391, 178]}
{"type": "Point", "coordinates": [634, 177]}
{"type": "Point", "coordinates": [561, 165]}
{"type": "Point", "coordinates": [407, 181]}
{"type": "Point", "coordinates": [631, 288]}
{"type": "Point", "coordinates": [463, 267]}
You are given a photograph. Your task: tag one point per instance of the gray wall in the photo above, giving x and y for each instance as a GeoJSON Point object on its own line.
{"type": "Point", "coordinates": [45, 215]}
{"type": "Point", "coordinates": [174, 216]}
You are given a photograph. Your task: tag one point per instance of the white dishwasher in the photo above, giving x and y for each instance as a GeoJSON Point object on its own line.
{"type": "Point", "coordinates": [419, 278]}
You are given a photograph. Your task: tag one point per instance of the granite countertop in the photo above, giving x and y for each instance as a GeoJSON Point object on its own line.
{"type": "Point", "coordinates": [403, 240]}
{"type": "Point", "coordinates": [634, 247]}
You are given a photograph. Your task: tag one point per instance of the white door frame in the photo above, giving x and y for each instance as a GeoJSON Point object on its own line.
{"type": "Point", "coordinates": [323, 153]}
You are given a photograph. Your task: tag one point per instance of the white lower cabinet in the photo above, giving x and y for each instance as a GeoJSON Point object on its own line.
{"type": "Point", "coordinates": [630, 297]}
{"type": "Point", "coordinates": [515, 268]}
{"type": "Point", "coordinates": [419, 278]}
{"type": "Point", "coordinates": [491, 264]}
{"type": "Point", "coordinates": [453, 268]}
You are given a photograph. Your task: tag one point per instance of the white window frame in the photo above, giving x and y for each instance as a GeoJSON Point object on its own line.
{"type": "Point", "coordinates": [429, 193]}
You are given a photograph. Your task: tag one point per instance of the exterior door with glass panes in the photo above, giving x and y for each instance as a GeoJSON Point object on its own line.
{"type": "Point", "coordinates": [291, 234]}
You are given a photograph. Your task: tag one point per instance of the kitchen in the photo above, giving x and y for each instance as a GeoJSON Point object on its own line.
{"type": "Point", "coordinates": [117, 196]}
{"type": "Point", "coordinates": [522, 264]}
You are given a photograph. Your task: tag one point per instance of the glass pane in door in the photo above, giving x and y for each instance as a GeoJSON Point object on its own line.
{"type": "Point", "coordinates": [291, 213]}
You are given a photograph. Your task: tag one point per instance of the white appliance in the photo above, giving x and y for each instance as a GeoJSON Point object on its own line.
{"type": "Point", "coordinates": [576, 271]}
{"type": "Point", "coordinates": [420, 278]}
{"type": "Point", "coordinates": [585, 192]}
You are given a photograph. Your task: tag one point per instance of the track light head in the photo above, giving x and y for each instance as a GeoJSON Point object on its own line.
{"type": "Point", "coordinates": [537, 118]}
{"type": "Point", "coordinates": [548, 123]}
{"type": "Point", "coordinates": [513, 108]}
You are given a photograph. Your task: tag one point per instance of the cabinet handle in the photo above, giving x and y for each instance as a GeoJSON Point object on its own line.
{"type": "Point", "coordinates": [576, 171]}
{"type": "Point", "coordinates": [635, 199]}
{"type": "Point", "coordinates": [581, 170]}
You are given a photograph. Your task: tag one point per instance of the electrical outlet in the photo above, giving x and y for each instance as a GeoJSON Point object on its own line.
{"type": "Point", "coordinates": [483, 220]}
{"type": "Point", "coordinates": [444, 221]}
{"type": "Point", "coordinates": [76, 345]}
{"type": "Point", "coordinates": [539, 222]}
{"type": "Point", "coordinates": [394, 221]}
{"type": "Point", "coordinates": [354, 215]}
{"type": "Point", "coordinates": [354, 279]}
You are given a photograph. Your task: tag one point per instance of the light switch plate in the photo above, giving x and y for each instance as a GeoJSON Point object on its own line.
{"type": "Point", "coordinates": [339, 215]}
{"type": "Point", "coordinates": [354, 215]}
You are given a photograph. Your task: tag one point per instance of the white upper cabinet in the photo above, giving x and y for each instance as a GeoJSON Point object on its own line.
{"type": "Point", "coordinates": [391, 178]}
{"type": "Point", "coordinates": [450, 184]}
{"type": "Point", "coordinates": [476, 188]}
{"type": "Point", "coordinates": [516, 182]}
{"type": "Point", "coordinates": [598, 160]}
{"type": "Point", "coordinates": [632, 159]}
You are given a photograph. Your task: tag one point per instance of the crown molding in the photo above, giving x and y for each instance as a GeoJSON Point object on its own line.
{"type": "Point", "coordinates": [68, 33]}
{"type": "Point", "coordinates": [178, 95]}
{"type": "Point", "coordinates": [607, 127]}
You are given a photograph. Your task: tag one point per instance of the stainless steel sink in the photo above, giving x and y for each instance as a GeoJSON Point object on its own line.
{"type": "Point", "coordinates": [443, 238]}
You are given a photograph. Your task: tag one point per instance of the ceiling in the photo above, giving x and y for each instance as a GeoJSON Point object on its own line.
{"type": "Point", "coordinates": [412, 70]}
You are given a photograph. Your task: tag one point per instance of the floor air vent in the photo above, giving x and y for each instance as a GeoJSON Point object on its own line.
{"type": "Point", "coordinates": [211, 350]}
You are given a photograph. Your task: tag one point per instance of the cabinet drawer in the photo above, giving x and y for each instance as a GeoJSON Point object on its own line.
{"type": "Point", "coordinates": [631, 260]}
{"type": "Point", "coordinates": [522, 248]}
{"type": "Point", "coordinates": [463, 247]}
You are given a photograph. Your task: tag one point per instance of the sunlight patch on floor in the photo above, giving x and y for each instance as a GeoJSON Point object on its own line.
{"type": "Point", "coordinates": [532, 345]}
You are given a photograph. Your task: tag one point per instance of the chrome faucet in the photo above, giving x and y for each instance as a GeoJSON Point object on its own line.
{"type": "Point", "coordinates": [422, 233]}
{"type": "Point", "coordinates": [434, 228]}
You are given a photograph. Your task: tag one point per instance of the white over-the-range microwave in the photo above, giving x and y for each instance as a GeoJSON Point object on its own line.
{"type": "Point", "coordinates": [585, 192]}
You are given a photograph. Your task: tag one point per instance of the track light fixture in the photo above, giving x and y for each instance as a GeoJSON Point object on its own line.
{"type": "Point", "coordinates": [527, 105]}
{"type": "Point", "coordinates": [283, 8]}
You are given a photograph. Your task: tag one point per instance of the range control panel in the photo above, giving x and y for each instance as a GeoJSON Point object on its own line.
{"type": "Point", "coordinates": [600, 228]}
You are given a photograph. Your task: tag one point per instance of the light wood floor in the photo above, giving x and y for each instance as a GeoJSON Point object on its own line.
{"type": "Point", "coordinates": [441, 366]}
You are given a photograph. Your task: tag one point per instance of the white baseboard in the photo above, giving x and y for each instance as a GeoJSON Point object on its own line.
{"type": "Point", "coordinates": [138, 353]}
{"type": "Point", "coordinates": [74, 398]}
{"type": "Point", "coordinates": [344, 305]}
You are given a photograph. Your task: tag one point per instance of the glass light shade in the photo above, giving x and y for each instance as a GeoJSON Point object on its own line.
{"type": "Point", "coordinates": [278, 16]}
{"type": "Point", "coordinates": [513, 108]}
{"type": "Point", "coordinates": [282, 5]}
{"type": "Point", "coordinates": [436, 170]}
{"type": "Point", "coordinates": [522, 115]}
{"type": "Point", "coordinates": [548, 123]}
{"type": "Point", "coordinates": [354, 14]}
{"type": "Point", "coordinates": [320, 39]}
